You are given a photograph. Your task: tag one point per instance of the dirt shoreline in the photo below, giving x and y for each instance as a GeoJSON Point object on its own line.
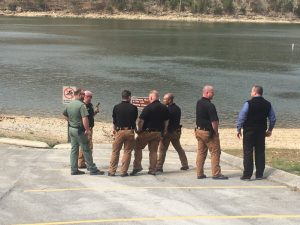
{"type": "Point", "coordinates": [54, 131]}
{"type": "Point", "coordinates": [168, 16]}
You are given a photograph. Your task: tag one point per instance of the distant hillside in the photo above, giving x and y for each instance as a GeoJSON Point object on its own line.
{"type": "Point", "coordinates": [272, 8]}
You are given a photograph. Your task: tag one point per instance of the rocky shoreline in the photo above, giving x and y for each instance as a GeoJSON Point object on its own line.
{"type": "Point", "coordinates": [167, 16]}
{"type": "Point", "coordinates": [54, 131]}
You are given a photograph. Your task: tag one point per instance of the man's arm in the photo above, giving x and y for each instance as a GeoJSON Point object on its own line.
{"type": "Point", "coordinates": [272, 122]}
{"type": "Point", "coordinates": [215, 126]}
{"type": "Point", "coordinates": [140, 125]}
{"type": "Point", "coordinates": [85, 122]}
{"type": "Point", "coordinates": [166, 124]}
{"type": "Point", "coordinates": [241, 119]}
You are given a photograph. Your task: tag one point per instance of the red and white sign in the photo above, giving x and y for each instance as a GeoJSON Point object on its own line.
{"type": "Point", "coordinates": [68, 94]}
{"type": "Point", "coordinates": [140, 102]}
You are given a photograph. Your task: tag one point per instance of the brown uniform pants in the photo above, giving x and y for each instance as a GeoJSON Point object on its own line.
{"type": "Point", "coordinates": [81, 161]}
{"type": "Point", "coordinates": [152, 140]}
{"type": "Point", "coordinates": [213, 144]}
{"type": "Point", "coordinates": [125, 137]}
{"type": "Point", "coordinates": [174, 138]}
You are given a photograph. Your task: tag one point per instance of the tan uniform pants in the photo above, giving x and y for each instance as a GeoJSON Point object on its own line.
{"type": "Point", "coordinates": [174, 138]}
{"type": "Point", "coordinates": [152, 140]}
{"type": "Point", "coordinates": [213, 144]}
{"type": "Point", "coordinates": [126, 138]}
{"type": "Point", "coordinates": [81, 161]}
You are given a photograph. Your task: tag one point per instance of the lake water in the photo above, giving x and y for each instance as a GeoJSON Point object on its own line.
{"type": "Point", "coordinates": [40, 55]}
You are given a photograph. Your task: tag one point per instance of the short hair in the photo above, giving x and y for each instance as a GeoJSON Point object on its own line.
{"type": "Point", "coordinates": [171, 96]}
{"type": "Point", "coordinates": [207, 88]}
{"type": "Point", "coordinates": [77, 91]}
{"type": "Point", "coordinates": [126, 94]}
{"type": "Point", "coordinates": [259, 89]}
{"type": "Point", "coordinates": [154, 93]}
{"type": "Point", "coordinates": [88, 93]}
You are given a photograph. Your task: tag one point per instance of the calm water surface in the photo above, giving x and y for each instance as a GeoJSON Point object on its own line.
{"type": "Point", "coordinates": [40, 55]}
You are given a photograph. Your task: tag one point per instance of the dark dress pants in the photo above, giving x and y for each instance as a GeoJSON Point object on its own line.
{"type": "Point", "coordinates": [254, 140]}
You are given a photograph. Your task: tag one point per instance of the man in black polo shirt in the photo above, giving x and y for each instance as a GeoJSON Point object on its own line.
{"type": "Point", "coordinates": [173, 135]}
{"type": "Point", "coordinates": [88, 95]}
{"type": "Point", "coordinates": [124, 120]}
{"type": "Point", "coordinates": [207, 134]}
{"type": "Point", "coordinates": [153, 121]}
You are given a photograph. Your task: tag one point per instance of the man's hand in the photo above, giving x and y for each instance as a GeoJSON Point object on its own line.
{"type": "Point", "coordinates": [268, 133]}
{"type": "Point", "coordinates": [239, 134]}
{"type": "Point", "coordinates": [97, 110]}
{"type": "Point", "coordinates": [87, 132]}
{"type": "Point", "coordinates": [138, 131]}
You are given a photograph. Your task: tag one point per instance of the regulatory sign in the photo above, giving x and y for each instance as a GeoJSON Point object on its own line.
{"type": "Point", "coordinates": [140, 102]}
{"type": "Point", "coordinates": [68, 94]}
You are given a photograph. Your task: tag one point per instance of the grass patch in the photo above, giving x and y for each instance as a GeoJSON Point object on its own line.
{"type": "Point", "coordinates": [284, 159]}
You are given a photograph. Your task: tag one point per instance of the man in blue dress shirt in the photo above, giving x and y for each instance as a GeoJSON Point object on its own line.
{"type": "Point", "coordinates": [253, 120]}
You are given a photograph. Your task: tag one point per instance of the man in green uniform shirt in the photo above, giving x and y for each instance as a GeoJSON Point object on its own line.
{"type": "Point", "coordinates": [77, 116]}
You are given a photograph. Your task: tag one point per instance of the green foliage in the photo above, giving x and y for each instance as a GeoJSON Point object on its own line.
{"type": "Point", "coordinates": [243, 9]}
{"type": "Point", "coordinates": [216, 7]}
{"type": "Point", "coordinates": [12, 6]}
{"type": "Point", "coordinates": [138, 5]}
{"type": "Point", "coordinates": [202, 6]}
{"type": "Point", "coordinates": [228, 6]}
{"type": "Point", "coordinates": [41, 5]}
{"type": "Point", "coordinates": [297, 10]}
{"type": "Point", "coordinates": [257, 6]}
{"type": "Point", "coordinates": [119, 4]}
{"type": "Point", "coordinates": [281, 5]}
{"type": "Point", "coordinates": [173, 4]}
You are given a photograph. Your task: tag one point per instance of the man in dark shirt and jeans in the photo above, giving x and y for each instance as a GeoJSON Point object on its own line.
{"type": "Point", "coordinates": [207, 135]}
{"type": "Point", "coordinates": [173, 135]}
{"type": "Point", "coordinates": [124, 123]}
{"type": "Point", "coordinates": [153, 121]}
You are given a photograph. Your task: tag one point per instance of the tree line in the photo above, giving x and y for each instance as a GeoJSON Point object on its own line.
{"type": "Point", "coordinates": [213, 7]}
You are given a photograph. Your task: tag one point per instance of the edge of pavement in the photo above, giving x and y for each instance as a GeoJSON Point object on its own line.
{"type": "Point", "coordinates": [271, 173]}
{"type": "Point", "coordinates": [26, 143]}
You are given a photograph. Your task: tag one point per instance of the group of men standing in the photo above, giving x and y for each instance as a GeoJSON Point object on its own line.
{"type": "Point", "coordinates": [159, 125]}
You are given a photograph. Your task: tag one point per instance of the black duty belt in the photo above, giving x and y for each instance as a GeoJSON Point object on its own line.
{"type": "Point", "coordinates": [125, 128]}
{"type": "Point", "coordinates": [152, 130]}
{"type": "Point", "coordinates": [202, 128]}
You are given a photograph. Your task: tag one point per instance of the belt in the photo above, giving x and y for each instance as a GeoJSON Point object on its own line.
{"type": "Point", "coordinates": [152, 130]}
{"type": "Point", "coordinates": [125, 128]}
{"type": "Point", "coordinates": [74, 127]}
{"type": "Point", "coordinates": [202, 128]}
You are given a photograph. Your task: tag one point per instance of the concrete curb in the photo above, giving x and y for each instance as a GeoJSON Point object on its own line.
{"type": "Point", "coordinates": [271, 173]}
{"type": "Point", "coordinates": [68, 146]}
{"type": "Point", "coordinates": [27, 143]}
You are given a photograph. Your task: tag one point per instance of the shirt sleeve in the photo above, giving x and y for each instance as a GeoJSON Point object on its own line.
{"type": "Point", "coordinates": [144, 114]}
{"type": "Point", "coordinates": [272, 119]}
{"type": "Point", "coordinates": [135, 112]}
{"type": "Point", "coordinates": [65, 112]}
{"type": "Point", "coordinates": [242, 116]}
{"type": "Point", "coordinates": [167, 114]}
{"type": "Point", "coordinates": [213, 115]}
{"type": "Point", "coordinates": [83, 111]}
{"type": "Point", "coordinates": [114, 116]}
